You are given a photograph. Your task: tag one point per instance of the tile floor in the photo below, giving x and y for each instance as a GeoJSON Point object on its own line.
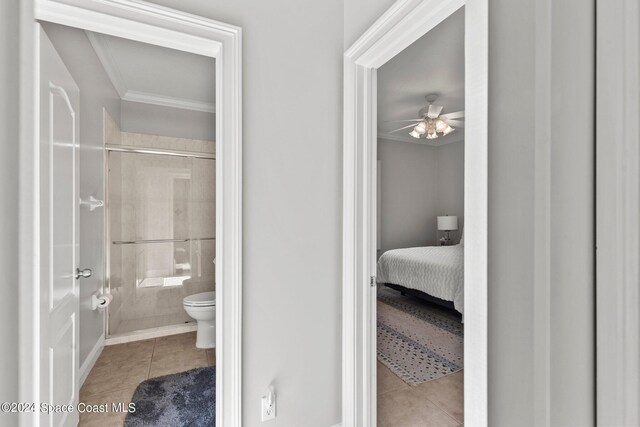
{"type": "Point", "coordinates": [437, 403]}
{"type": "Point", "coordinates": [120, 368]}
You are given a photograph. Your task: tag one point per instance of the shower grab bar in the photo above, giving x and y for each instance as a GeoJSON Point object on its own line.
{"type": "Point", "coordinates": [160, 151]}
{"type": "Point", "coordinates": [136, 242]}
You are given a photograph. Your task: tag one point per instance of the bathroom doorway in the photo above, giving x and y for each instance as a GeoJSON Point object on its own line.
{"type": "Point", "coordinates": [90, 295]}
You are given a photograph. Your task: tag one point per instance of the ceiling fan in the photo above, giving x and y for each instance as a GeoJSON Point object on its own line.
{"type": "Point", "coordinates": [430, 123]}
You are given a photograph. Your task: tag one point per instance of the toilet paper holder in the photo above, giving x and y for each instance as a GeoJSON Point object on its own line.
{"type": "Point", "coordinates": [99, 300]}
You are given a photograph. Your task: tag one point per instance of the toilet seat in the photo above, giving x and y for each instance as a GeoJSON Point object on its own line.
{"type": "Point", "coordinates": [202, 308]}
{"type": "Point", "coordinates": [204, 299]}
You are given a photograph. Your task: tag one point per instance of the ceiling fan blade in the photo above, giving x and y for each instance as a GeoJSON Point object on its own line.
{"type": "Point", "coordinates": [456, 123]}
{"type": "Point", "coordinates": [396, 130]}
{"type": "Point", "coordinates": [455, 115]}
{"type": "Point", "coordinates": [398, 121]}
{"type": "Point", "coordinates": [434, 111]}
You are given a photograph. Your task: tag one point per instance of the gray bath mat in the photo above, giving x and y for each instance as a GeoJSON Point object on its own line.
{"type": "Point", "coordinates": [418, 341]}
{"type": "Point", "coordinates": [178, 400]}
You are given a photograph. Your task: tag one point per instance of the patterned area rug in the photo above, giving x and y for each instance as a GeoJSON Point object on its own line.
{"type": "Point", "coordinates": [184, 399]}
{"type": "Point", "coordinates": [417, 340]}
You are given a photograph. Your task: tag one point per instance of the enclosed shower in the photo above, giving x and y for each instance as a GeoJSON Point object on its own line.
{"type": "Point", "coordinates": [161, 209]}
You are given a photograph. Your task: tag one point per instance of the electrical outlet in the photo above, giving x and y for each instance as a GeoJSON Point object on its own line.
{"type": "Point", "coordinates": [268, 405]}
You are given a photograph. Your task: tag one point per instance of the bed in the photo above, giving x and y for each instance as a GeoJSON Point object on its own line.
{"type": "Point", "coordinates": [435, 273]}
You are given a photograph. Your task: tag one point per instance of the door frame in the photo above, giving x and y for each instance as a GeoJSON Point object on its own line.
{"type": "Point", "coordinates": [617, 212]}
{"type": "Point", "coordinates": [401, 25]}
{"type": "Point", "coordinates": [149, 23]}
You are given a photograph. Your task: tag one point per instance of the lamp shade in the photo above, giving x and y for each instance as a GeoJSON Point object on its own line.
{"type": "Point", "coordinates": [447, 223]}
{"type": "Point", "coordinates": [420, 128]}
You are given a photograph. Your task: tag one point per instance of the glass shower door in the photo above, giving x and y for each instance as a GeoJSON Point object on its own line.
{"type": "Point", "coordinates": [161, 219]}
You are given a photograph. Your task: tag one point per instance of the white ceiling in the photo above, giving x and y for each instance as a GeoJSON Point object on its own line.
{"type": "Point", "coordinates": [157, 75]}
{"type": "Point", "coordinates": [433, 64]}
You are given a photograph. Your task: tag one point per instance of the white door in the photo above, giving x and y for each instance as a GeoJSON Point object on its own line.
{"type": "Point", "coordinates": [59, 204]}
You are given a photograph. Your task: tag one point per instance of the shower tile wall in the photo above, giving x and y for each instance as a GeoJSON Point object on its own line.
{"type": "Point", "coordinates": [157, 197]}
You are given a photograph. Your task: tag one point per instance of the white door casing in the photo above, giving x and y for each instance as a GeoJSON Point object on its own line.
{"type": "Point", "coordinates": [149, 23]}
{"type": "Point", "coordinates": [401, 25]}
{"type": "Point", "coordinates": [59, 234]}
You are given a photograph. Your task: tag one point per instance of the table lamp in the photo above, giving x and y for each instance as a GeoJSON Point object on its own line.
{"type": "Point", "coordinates": [447, 224]}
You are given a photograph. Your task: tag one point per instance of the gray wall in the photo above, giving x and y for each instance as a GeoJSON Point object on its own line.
{"type": "Point", "coordinates": [532, 52]}
{"type": "Point", "coordinates": [292, 196]}
{"type": "Point", "coordinates": [512, 38]}
{"type": "Point", "coordinates": [292, 75]}
{"type": "Point", "coordinates": [96, 92]}
{"type": "Point", "coordinates": [572, 202]}
{"type": "Point", "coordinates": [159, 120]}
{"type": "Point", "coordinates": [418, 183]}
{"type": "Point", "coordinates": [8, 206]}
{"type": "Point", "coordinates": [450, 169]}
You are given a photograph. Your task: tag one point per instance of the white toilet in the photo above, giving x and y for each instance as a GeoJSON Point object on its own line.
{"type": "Point", "coordinates": [202, 307]}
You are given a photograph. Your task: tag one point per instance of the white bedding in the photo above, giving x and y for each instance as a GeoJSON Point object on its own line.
{"type": "Point", "coordinates": [434, 270]}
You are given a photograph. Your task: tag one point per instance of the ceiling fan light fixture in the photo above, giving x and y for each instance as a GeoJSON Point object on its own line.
{"type": "Point", "coordinates": [441, 125]}
{"type": "Point", "coordinates": [431, 123]}
{"type": "Point", "coordinates": [421, 128]}
{"type": "Point", "coordinates": [414, 134]}
{"type": "Point", "coordinates": [432, 134]}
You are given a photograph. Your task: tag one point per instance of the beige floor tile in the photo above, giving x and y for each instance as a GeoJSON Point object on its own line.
{"type": "Point", "coordinates": [408, 408]}
{"type": "Point", "coordinates": [121, 395]}
{"type": "Point", "coordinates": [168, 360]}
{"type": "Point", "coordinates": [179, 350]}
{"type": "Point", "coordinates": [447, 393]}
{"type": "Point", "coordinates": [211, 356]}
{"type": "Point", "coordinates": [176, 342]}
{"type": "Point", "coordinates": [109, 418]}
{"type": "Point", "coordinates": [388, 381]}
{"type": "Point", "coordinates": [111, 377]}
{"type": "Point", "coordinates": [121, 368]}
{"type": "Point", "coordinates": [126, 353]}
{"type": "Point", "coordinates": [101, 420]}
{"type": "Point", "coordinates": [186, 353]}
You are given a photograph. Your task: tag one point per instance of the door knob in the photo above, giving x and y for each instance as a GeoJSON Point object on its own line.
{"type": "Point", "coordinates": [83, 273]}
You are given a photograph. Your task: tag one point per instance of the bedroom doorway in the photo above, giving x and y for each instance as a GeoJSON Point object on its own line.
{"type": "Point", "coordinates": [419, 227]}
{"type": "Point", "coordinates": [415, 218]}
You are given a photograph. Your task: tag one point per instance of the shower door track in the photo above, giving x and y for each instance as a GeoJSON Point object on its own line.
{"type": "Point", "coordinates": [160, 151]}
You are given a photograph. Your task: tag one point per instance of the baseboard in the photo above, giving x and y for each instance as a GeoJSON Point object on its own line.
{"type": "Point", "coordinates": [91, 359]}
{"type": "Point", "coordinates": [337, 425]}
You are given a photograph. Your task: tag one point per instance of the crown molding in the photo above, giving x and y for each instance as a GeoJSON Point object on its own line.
{"type": "Point", "coordinates": [168, 101]}
{"type": "Point", "coordinates": [101, 48]}
{"type": "Point", "coordinates": [108, 63]}
{"type": "Point", "coordinates": [439, 142]}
